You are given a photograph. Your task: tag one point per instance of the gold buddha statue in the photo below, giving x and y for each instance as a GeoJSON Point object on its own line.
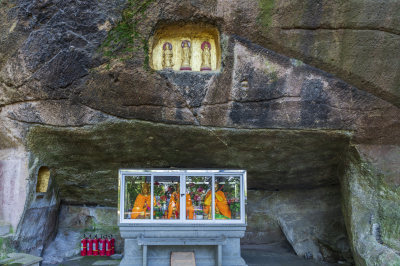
{"type": "Point", "coordinates": [167, 56]}
{"type": "Point", "coordinates": [206, 56]}
{"type": "Point", "coordinates": [186, 55]}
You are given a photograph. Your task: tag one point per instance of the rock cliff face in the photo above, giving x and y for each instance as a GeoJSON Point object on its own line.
{"type": "Point", "coordinates": [310, 131]}
{"type": "Point", "coordinates": [370, 188]}
{"type": "Point", "coordinates": [355, 40]}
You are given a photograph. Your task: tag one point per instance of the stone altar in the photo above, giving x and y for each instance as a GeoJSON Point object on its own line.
{"type": "Point", "coordinates": [160, 255]}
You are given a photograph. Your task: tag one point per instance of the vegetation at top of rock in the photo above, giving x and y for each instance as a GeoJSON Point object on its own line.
{"type": "Point", "coordinates": [125, 37]}
{"type": "Point", "coordinates": [265, 15]}
{"type": "Point", "coordinates": [6, 4]}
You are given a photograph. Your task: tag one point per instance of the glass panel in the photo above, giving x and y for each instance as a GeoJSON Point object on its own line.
{"type": "Point", "coordinates": [137, 197]}
{"type": "Point", "coordinates": [227, 197]}
{"type": "Point", "coordinates": [166, 197]}
{"type": "Point", "coordinates": [198, 198]}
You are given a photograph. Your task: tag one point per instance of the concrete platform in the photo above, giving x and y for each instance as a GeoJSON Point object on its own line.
{"type": "Point", "coordinates": [21, 259]}
{"type": "Point", "coordinates": [277, 254]}
{"type": "Point", "coordinates": [86, 261]}
{"type": "Point", "coordinates": [255, 255]}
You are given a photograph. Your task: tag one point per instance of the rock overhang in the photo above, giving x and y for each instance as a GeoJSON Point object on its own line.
{"type": "Point", "coordinates": [84, 161]}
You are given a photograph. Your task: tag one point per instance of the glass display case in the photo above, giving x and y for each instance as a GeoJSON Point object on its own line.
{"type": "Point", "coordinates": [182, 196]}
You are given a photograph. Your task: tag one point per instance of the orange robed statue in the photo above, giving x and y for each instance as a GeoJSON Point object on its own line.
{"type": "Point", "coordinates": [173, 206]}
{"type": "Point", "coordinates": [221, 204]}
{"type": "Point", "coordinates": [142, 202]}
{"type": "Point", "coordinates": [189, 207]}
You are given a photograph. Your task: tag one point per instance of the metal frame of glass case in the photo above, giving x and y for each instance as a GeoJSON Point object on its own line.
{"type": "Point", "coordinates": [182, 174]}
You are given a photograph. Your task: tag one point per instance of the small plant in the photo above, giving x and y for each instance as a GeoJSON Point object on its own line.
{"type": "Point", "coordinates": [158, 213]}
{"type": "Point", "coordinates": [235, 208]}
{"type": "Point", "coordinates": [125, 37]}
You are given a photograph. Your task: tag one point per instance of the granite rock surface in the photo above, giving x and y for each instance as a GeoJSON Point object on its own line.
{"type": "Point", "coordinates": [307, 99]}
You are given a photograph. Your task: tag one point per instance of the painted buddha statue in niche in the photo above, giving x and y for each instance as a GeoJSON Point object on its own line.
{"type": "Point", "coordinates": [167, 56]}
{"type": "Point", "coordinates": [186, 55]}
{"type": "Point", "coordinates": [206, 56]}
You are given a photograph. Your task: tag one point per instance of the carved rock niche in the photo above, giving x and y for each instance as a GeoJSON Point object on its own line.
{"type": "Point", "coordinates": [43, 179]}
{"type": "Point", "coordinates": [189, 47]}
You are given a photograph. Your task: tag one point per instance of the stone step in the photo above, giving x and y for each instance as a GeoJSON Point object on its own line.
{"type": "Point", "coordinates": [21, 259]}
{"type": "Point", "coordinates": [105, 262]}
{"type": "Point", "coordinates": [183, 259]}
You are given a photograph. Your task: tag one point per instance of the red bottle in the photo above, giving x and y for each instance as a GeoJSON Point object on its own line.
{"type": "Point", "coordinates": [102, 246]}
{"type": "Point", "coordinates": [83, 246]}
{"type": "Point", "coordinates": [108, 247]}
{"type": "Point", "coordinates": [95, 246]}
{"type": "Point", "coordinates": [90, 246]}
{"type": "Point", "coordinates": [112, 245]}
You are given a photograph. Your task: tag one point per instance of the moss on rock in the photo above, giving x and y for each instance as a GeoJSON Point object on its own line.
{"type": "Point", "coordinates": [266, 12]}
{"type": "Point", "coordinates": [85, 160]}
{"type": "Point", "coordinates": [125, 37]}
{"type": "Point", "coordinates": [371, 212]}
{"type": "Point", "coordinates": [6, 246]}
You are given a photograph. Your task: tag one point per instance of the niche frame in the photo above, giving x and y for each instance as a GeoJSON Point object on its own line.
{"type": "Point", "coordinates": [42, 180]}
{"type": "Point", "coordinates": [196, 33]}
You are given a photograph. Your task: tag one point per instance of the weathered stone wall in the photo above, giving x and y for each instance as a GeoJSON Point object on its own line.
{"type": "Point", "coordinates": [85, 160]}
{"type": "Point", "coordinates": [274, 216]}
{"type": "Point", "coordinates": [355, 40]}
{"type": "Point", "coordinates": [77, 221]}
{"type": "Point", "coordinates": [12, 189]}
{"type": "Point", "coordinates": [66, 105]}
{"type": "Point", "coordinates": [39, 220]}
{"type": "Point", "coordinates": [370, 190]}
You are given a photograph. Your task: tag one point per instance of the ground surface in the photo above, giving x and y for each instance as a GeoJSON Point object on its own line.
{"type": "Point", "coordinates": [276, 255]}
{"type": "Point", "coordinates": [254, 255]}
